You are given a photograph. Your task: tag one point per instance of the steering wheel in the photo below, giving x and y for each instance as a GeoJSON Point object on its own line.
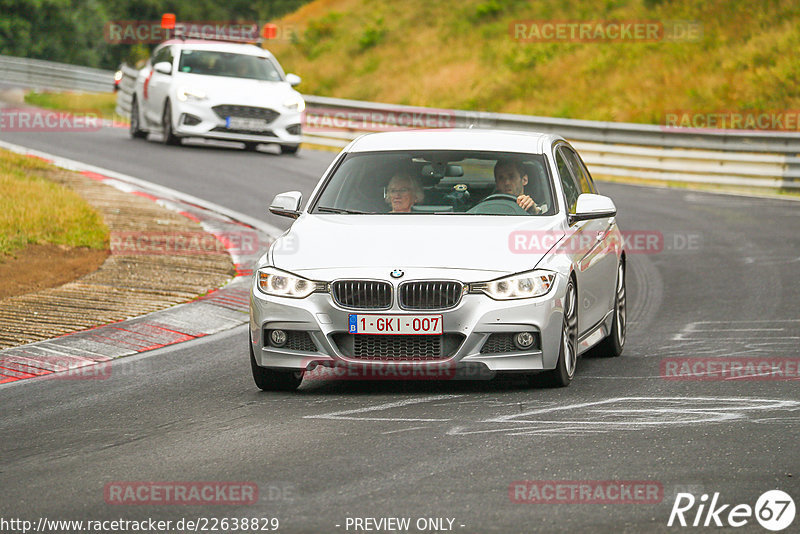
{"type": "Point", "coordinates": [498, 204]}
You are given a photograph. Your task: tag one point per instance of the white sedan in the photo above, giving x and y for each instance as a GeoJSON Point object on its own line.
{"type": "Point", "coordinates": [213, 90]}
{"type": "Point", "coordinates": [442, 250]}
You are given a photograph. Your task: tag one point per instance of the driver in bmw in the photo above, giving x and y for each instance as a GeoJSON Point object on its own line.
{"type": "Point", "coordinates": [510, 178]}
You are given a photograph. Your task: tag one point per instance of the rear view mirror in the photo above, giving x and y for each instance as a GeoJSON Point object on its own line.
{"type": "Point", "coordinates": [287, 204]}
{"type": "Point", "coordinates": [439, 170]}
{"type": "Point", "coordinates": [454, 171]}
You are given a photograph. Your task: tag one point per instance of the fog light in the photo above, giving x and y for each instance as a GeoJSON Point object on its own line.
{"type": "Point", "coordinates": [523, 340]}
{"type": "Point", "coordinates": [277, 338]}
{"type": "Point", "coordinates": [190, 120]}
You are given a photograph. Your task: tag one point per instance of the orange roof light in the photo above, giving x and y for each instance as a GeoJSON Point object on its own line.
{"type": "Point", "coordinates": [168, 21]}
{"type": "Point", "coordinates": [269, 31]}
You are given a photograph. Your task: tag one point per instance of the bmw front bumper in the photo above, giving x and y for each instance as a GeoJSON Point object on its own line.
{"type": "Point", "coordinates": [322, 327]}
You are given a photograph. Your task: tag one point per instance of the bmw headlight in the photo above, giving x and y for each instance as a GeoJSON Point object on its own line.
{"type": "Point", "coordinates": [279, 283]}
{"type": "Point", "coordinates": [295, 103]}
{"type": "Point", "coordinates": [518, 286]}
{"type": "Point", "coordinates": [185, 94]}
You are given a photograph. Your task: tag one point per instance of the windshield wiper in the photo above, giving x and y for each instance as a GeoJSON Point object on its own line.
{"type": "Point", "coordinates": [327, 209]}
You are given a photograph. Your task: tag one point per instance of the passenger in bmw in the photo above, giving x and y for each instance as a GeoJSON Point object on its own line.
{"type": "Point", "coordinates": [402, 192]}
{"type": "Point", "coordinates": [510, 178]}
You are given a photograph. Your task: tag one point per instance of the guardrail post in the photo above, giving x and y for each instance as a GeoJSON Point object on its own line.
{"type": "Point", "coordinates": [789, 178]}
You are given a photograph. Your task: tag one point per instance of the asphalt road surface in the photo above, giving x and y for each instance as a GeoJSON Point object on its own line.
{"type": "Point", "coordinates": [722, 284]}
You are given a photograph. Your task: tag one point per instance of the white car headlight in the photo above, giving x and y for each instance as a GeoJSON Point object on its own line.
{"type": "Point", "coordinates": [186, 94]}
{"type": "Point", "coordinates": [295, 103]}
{"type": "Point", "coordinates": [517, 286]}
{"type": "Point", "coordinates": [279, 283]}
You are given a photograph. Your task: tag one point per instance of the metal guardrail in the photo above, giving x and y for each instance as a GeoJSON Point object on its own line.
{"type": "Point", "coordinates": [745, 158]}
{"type": "Point", "coordinates": [39, 74]}
{"type": "Point", "coordinates": [583, 130]}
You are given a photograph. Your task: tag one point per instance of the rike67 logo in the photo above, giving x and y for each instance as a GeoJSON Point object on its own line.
{"type": "Point", "coordinates": [774, 510]}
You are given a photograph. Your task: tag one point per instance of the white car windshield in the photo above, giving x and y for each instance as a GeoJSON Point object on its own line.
{"type": "Point", "coordinates": [438, 181]}
{"type": "Point", "coordinates": [213, 63]}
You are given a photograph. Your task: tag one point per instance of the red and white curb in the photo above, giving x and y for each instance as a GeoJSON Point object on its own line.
{"type": "Point", "coordinates": [86, 353]}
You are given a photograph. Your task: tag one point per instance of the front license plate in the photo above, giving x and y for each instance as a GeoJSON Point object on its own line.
{"type": "Point", "coordinates": [396, 324]}
{"type": "Point", "coordinates": [241, 123]}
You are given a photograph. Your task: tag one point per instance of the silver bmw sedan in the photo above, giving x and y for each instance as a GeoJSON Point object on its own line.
{"type": "Point", "coordinates": [436, 253]}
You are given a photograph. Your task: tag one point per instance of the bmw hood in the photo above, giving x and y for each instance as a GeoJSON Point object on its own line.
{"type": "Point", "coordinates": [498, 245]}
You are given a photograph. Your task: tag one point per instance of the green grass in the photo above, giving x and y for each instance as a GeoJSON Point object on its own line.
{"type": "Point", "coordinates": [460, 54]}
{"type": "Point", "coordinates": [35, 210]}
{"type": "Point", "coordinates": [101, 103]}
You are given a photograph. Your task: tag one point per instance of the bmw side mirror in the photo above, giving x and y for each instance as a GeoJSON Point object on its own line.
{"type": "Point", "coordinates": [164, 67]}
{"type": "Point", "coordinates": [591, 206]}
{"type": "Point", "coordinates": [293, 79]}
{"type": "Point", "coordinates": [287, 204]}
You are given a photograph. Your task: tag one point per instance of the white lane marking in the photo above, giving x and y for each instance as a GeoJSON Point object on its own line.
{"type": "Point", "coordinates": [773, 370]}
{"type": "Point", "coordinates": [653, 377]}
{"type": "Point", "coordinates": [771, 260]}
{"type": "Point", "coordinates": [695, 330]}
{"type": "Point", "coordinates": [686, 330]}
{"type": "Point", "coordinates": [756, 404]}
{"type": "Point", "coordinates": [627, 413]}
{"type": "Point", "coordinates": [770, 338]}
{"type": "Point", "coordinates": [760, 349]}
{"type": "Point", "coordinates": [739, 330]}
{"type": "Point", "coordinates": [768, 321]}
{"type": "Point", "coordinates": [346, 415]}
{"type": "Point", "coordinates": [404, 430]}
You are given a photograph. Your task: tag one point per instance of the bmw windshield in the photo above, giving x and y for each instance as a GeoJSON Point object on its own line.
{"type": "Point", "coordinates": [439, 182]}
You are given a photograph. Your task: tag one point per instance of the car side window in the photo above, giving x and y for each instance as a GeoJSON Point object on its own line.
{"type": "Point", "coordinates": [579, 170]}
{"type": "Point", "coordinates": [571, 189]}
{"type": "Point", "coordinates": [165, 54]}
{"type": "Point", "coordinates": [587, 173]}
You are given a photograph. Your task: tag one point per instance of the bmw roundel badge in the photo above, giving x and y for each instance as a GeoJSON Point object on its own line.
{"type": "Point", "coordinates": [397, 273]}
